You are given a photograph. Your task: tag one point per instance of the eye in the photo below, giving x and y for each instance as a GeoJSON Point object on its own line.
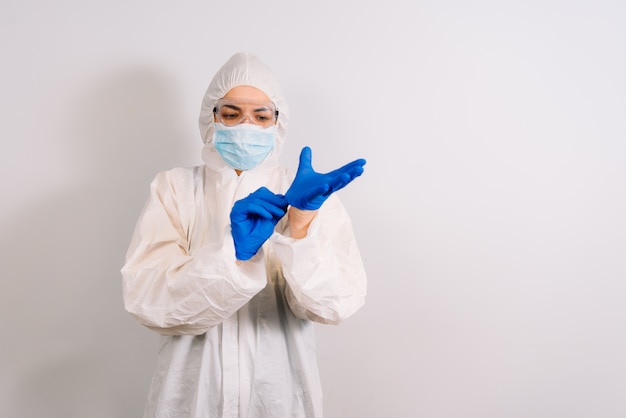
{"type": "Point", "coordinates": [263, 115]}
{"type": "Point", "coordinates": [230, 115]}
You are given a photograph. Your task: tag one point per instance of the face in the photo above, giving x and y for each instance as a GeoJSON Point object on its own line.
{"type": "Point", "coordinates": [245, 104]}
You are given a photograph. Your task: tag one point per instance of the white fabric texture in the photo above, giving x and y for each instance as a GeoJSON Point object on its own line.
{"type": "Point", "coordinates": [237, 338]}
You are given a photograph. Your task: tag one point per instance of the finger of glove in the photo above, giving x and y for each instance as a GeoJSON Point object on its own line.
{"type": "Point", "coordinates": [242, 211]}
{"type": "Point", "coordinates": [248, 241]}
{"type": "Point", "coordinates": [261, 193]}
{"type": "Point", "coordinates": [275, 203]}
{"type": "Point", "coordinates": [343, 176]}
{"type": "Point", "coordinates": [239, 212]}
{"type": "Point", "coordinates": [253, 235]}
{"type": "Point", "coordinates": [249, 213]}
{"type": "Point", "coordinates": [243, 255]}
{"type": "Point", "coordinates": [347, 177]}
{"type": "Point", "coordinates": [305, 157]}
{"type": "Point", "coordinates": [304, 165]}
{"type": "Point", "coordinates": [257, 236]}
{"type": "Point", "coordinates": [355, 166]}
{"type": "Point", "coordinates": [265, 210]}
{"type": "Point", "coordinates": [262, 203]}
{"type": "Point", "coordinates": [271, 199]}
{"type": "Point", "coordinates": [244, 249]}
{"type": "Point", "coordinates": [338, 182]}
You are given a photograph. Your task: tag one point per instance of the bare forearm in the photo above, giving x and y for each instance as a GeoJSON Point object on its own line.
{"type": "Point", "coordinates": [299, 221]}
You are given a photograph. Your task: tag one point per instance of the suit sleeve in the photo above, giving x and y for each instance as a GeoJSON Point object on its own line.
{"type": "Point", "coordinates": [324, 271]}
{"type": "Point", "coordinates": [171, 289]}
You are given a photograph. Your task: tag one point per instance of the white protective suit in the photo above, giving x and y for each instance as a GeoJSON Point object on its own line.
{"type": "Point", "coordinates": [237, 338]}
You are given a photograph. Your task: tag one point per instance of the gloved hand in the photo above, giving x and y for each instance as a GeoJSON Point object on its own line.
{"type": "Point", "coordinates": [310, 189]}
{"type": "Point", "coordinates": [253, 219]}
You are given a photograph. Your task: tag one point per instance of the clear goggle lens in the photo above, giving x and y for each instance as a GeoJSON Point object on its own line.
{"type": "Point", "coordinates": [231, 112]}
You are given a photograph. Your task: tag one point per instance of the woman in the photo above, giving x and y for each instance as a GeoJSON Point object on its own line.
{"type": "Point", "coordinates": [231, 283]}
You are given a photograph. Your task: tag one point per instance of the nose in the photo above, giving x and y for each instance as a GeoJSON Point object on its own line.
{"type": "Point", "coordinates": [247, 119]}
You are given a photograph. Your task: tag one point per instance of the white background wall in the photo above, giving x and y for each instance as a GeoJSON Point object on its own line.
{"type": "Point", "coordinates": [490, 216]}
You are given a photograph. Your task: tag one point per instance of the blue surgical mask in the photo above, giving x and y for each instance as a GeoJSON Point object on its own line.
{"type": "Point", "coordinates": [243, 146]}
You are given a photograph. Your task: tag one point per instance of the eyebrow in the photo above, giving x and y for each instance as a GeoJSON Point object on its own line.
{"type": "Point", "coordinates": [231, 106]}
{"type": "Point", "coordinates": [259, 109]}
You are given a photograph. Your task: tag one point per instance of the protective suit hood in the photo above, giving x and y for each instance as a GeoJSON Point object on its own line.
{"type": "Point", "coordinates": [241, 69]}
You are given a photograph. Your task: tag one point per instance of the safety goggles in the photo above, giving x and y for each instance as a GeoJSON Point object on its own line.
{"type": "Point", "coordinates": [231, 112]}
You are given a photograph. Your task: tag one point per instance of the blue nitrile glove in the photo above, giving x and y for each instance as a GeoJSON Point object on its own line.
{"type": "Point", "coordinates": [253, 219]}
{"type": "Point", "coordinates": [310, 189]}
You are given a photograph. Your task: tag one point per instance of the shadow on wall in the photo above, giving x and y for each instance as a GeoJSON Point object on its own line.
{"type": "Point", "coordinates": [71, 349]}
